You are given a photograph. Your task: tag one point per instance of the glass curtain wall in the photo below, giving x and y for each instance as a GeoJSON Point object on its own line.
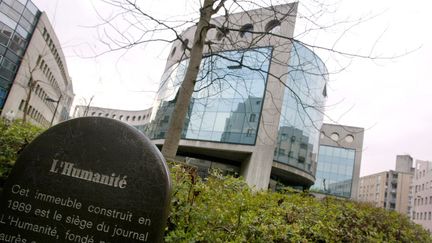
{"type": "Point", "coordinates": [302, 110]}
{"type": "Point", "coordinates": [18, 19]}
{"type": "Point", "coordinates": [335, 171]}
{"type": "Point", "coordinates": [227, 101]}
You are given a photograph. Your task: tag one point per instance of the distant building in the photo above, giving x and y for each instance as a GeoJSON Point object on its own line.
{"type": "Point", "coordinates": [30, 50]}
{"type": "Point", "coordinates": [422, 198]}
{"type": "Point", "coordinates": [390, 189]}
{"type": "Point", "coordinates": [339, 160]}
{"type": "Point", "coordinates": [137, 119]}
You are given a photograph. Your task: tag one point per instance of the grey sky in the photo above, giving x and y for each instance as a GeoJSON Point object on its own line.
{"type": "Point", "coordinates": [389, 98]}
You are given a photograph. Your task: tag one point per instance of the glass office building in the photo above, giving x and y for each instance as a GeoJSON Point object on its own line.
{"type": "Point", "coordinates": [258, 98]}
{"type": "Point", "coordinates": [18, 19]}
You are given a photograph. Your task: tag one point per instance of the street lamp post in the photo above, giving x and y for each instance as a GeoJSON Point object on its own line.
{"type": "Point", "coordinates": [55, 110]}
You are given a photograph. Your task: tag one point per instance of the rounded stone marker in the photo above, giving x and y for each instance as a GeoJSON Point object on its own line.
{"type": "Point", "coordinates": [86, 180]}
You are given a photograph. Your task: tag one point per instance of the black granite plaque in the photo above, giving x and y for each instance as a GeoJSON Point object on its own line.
{"type": "Point", "coordinates": [87, 180]}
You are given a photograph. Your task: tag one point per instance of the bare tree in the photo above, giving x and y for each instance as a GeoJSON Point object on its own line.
{"type": "Point", "coordinates": [37, 76]}
{"type": "Point", "coordinates": [149, 28]}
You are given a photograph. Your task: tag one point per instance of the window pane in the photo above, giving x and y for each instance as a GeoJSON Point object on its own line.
{"type": "Point", "coordinates": [8, 21]}
{"type": "Point", "coordinates": [9, 12]}
{"type": "Point", "coordinates": [28, 16]}
{"type": "Point", "coordinates": [25, 24]}
{"type": "Point", "coordinates": [32, 8]}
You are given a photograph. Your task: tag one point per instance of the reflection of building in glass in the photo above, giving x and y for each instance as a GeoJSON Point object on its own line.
{"type": "Point", "coordinates": [258, 99]}
{"type": "Point", "coordinates": [340, 188]}
{"type": "Point", "coordinates": [242, 124]}
{"type": "Point", "coordinates": [159, 125]}
{"type": "Point", "coordinates": [301, 117]}
{"type": "Point", "coordinates": [335, 165]}
{"type": "Point", "coordinates": [227, 104]}
{"type": "Point", "coordinates": [339, 160]}
{"type": "Point", "coordinates": [392, 189]}
{"type": "Point", "coordinates": [30, 50]}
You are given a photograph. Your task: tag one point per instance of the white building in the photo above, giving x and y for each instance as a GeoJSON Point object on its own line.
{"type": "Point", "coordinates": [422, 199]}
{"type": "Point", "coordinates": [392, 189]}
{"type": "Point", "coordinates": [33, 69]}
{"type": "Point", "coordinates": [137, 118]}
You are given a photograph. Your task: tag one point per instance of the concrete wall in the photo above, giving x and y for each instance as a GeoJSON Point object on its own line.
{"type": "Point", "coordinates": [404, 163]}
{"type": "Point", "coordinates": [372, 188]}
{"type": "Point", "coordinates": [404, 190]}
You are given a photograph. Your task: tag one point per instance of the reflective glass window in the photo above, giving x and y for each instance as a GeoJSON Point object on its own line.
{"type": "Point", "coordinates": [5, 73]}
{"type": "Point", "coordinates": [229, 88]}
{"type": "Point", "coordinates": [17, 5]}
{"type": "Point", "coordinates": [335, 171]}
{"type": "Point", "coordinates": [3, 93]}
{"type": "Point", "coordinates": [25, 24]}
{"type": "Point", "coordinates": [5, 34]}
{"type": "Point", "coordinates": [12, 56]}
{"type": "Point", "coordinates": [9, 65]}
{"type": "Point", "coordinates": [32, 8]}
{"type": "Point", "coordinates": [22, 31]}
{"type": "Point", "coordinates": [23, 2]}
{"type": "Point", "coordinates": [17, 44]}
{"type": "Point", "coordinates": [29, 16]}
{"type": "Point", "coordinates": [4, 8]}
{"type": "Point", "coordinates": [8, 21]}
{"type": "Point", "coordinates": [301, 114]}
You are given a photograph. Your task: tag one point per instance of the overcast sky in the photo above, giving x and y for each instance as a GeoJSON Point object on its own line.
{"type": "Point", "coordinates": [387, 97]}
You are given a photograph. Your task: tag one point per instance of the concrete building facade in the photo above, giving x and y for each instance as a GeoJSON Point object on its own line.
{"type": "Point", "coordinates": [390, 189]}
{"type": "Point", "coordinates": [258, 100]}
{"type": "Point", "coordinates": [339, 160]}
{"type": "Point", "coordinates": [33, 68]}
{"type": "Point", "coordinates": [422, 198]}
{"type": "Point", "coordinates": [137, 119]}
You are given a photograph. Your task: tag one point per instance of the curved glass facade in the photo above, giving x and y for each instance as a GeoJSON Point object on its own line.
{"type": "Point", "coordinates": [17, 22]}
{"type": "Point", "coordinates": [227, 102]}
{"type": "Point", "coordinates": [301, 116]}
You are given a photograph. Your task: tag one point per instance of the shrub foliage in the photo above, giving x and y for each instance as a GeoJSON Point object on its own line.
{"type": "Point", "coordinates": [14, 136]}
{"type": "Point", "coordinates": [225, 209]}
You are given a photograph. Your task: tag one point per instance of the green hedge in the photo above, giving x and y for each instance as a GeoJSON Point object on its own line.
{"type": "Point", "coordinates": [225, 209]}
{"type": "Point", "coordinates": [13, 138]}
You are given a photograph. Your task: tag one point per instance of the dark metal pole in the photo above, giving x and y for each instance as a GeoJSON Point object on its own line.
{"type": "Point", "coordinates": [55, 110]}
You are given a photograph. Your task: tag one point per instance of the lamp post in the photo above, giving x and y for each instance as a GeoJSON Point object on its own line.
{"type": "Point", "coordinates": [55, 110]}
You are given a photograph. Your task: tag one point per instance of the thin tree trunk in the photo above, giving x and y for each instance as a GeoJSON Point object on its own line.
{"type": "Point", "coordinates": [172, 139]}
{"type": "Point", "coordinates": [27, 101]}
